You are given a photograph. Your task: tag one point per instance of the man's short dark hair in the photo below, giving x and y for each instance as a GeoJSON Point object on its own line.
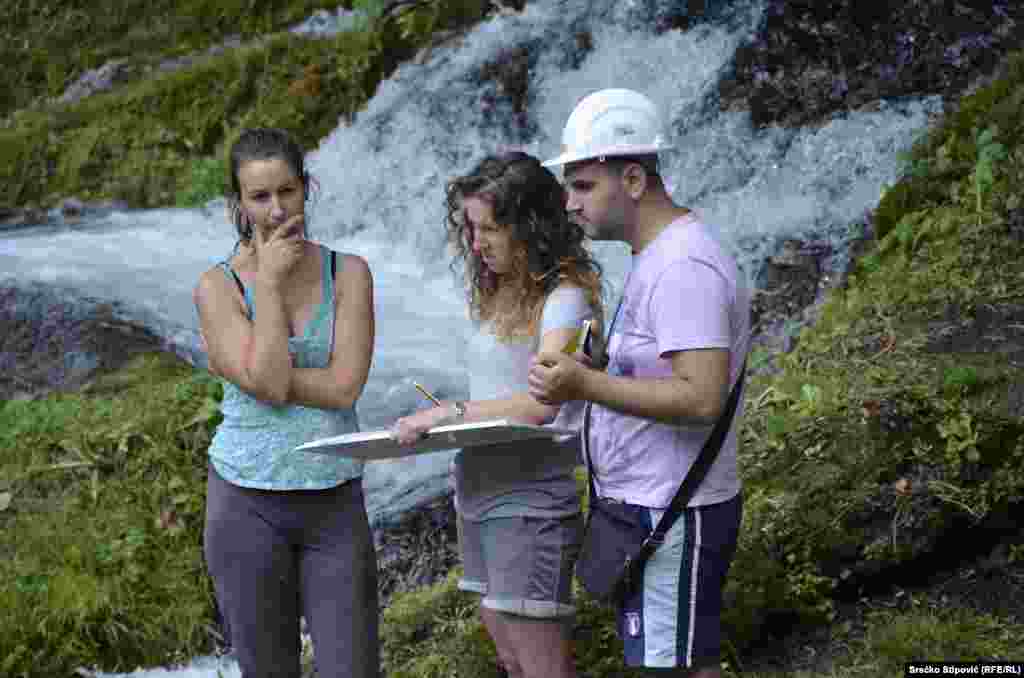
{"type": "Point", "coordinates": [648, 162]}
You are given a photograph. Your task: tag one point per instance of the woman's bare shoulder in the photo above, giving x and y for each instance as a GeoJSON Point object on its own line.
{"type": "Point", "coordinates": [352, 265]}
{"type": "Point", "coordinates": [215, 280]}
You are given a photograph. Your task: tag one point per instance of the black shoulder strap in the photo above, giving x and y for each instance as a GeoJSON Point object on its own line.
{"type": "Point", "coordinates": [238, 281]}
{"type": "Point", "coordinates": [334, 265]}
{"type": "Point", "coordinates": [697, 472]}
{"type": "Point", "coordinates": [693, 478]}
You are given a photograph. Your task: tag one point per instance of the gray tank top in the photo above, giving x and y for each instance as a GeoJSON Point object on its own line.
{"type": "Point", "coordinates": [532, 478]}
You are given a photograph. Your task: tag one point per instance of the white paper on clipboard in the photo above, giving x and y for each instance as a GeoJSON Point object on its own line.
{"type": "Point", "coordinates": [380, 445]}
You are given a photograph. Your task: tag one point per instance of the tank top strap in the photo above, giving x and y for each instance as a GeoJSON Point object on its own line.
{"type": "Point", "coordinates": [327, 274]}
{"type": "Point", "coordinates": [230, 273]}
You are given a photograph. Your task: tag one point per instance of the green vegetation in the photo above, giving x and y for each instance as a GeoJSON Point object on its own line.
{"type": "Point", "coordinates": [55, 41]}
{"type": "Point", "coordinates": [436, 631]}
{"type": "Point", "coordinates": [889, 423]}
{"type": "Point", "coordinates": [102, 521]}
{"type": "Point", "coordinates": [890, 639]}
{"type": "Point", "coordinates": [146, 141]}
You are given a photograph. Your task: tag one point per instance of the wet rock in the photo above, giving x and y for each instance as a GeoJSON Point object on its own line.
{"type": "Point", "coordinates": [790, 282]}
{"type": "Point", "coordinates": [72, 208]}
{"type": "Point", "coordinates": [14, 218]}
{"type": "Point", "coordinates": [508, 6]}
{"type": "Point", "coordinates": [893, 417]}
{"type": "Point", "coordinates": [1015, 400]}
{"type": "Point", "coordinates": [323, 24]}
{"type": "Point", "coordinates": [667, 15]}
{"type": "Point", "coordinates": [988, 328]}
{"type": "Point", "coordinates": [54, 339]}
{"type": "Point", "coordinates": [814, 58]}
{"type": "Point", "coordinates": [505, 96]}
{"type": "Point", "coordinates": [98, 80]}
{"type": "Point", "coordinates": [576, 49]}
{"type": "Point", "coordinates": [417, 550]}
{"type": "Point", "coordinates": [178, 63]}
{"type": "Point", "coordinates": [1015, 224]}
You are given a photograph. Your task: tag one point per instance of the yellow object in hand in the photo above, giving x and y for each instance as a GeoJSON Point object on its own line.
{"type": "Point", "coordinates": [427, 393]}
{"type": "Point", "coordinates": [578, 339]}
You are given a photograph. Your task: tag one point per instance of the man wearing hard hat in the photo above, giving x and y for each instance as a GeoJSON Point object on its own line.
{"type": "Point", "coordinates": [676, 349]}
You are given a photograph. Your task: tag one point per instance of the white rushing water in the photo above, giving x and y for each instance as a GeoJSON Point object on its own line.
{"type": "Point", "coordinates": [382, 181]}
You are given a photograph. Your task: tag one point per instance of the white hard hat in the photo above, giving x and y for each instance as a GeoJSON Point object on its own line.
{"type": "Point", "coordinates": [611, 122]}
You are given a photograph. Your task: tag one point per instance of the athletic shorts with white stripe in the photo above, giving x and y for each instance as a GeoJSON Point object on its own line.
{"type": "Point", "coordinates": [674, 619]}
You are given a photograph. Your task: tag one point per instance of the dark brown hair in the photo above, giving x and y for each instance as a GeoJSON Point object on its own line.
{"type": "Point", "coordinates": [262, 143]}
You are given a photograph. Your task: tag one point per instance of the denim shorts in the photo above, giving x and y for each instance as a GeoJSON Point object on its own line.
{"type": "Point", "coordinates": [521, 565]}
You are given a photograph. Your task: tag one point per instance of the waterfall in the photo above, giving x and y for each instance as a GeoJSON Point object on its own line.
{"type": "Point", "coordinates": [382, 185]}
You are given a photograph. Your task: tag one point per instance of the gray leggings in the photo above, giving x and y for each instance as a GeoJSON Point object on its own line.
{"type": "Point", "coordinates": [273, 555]}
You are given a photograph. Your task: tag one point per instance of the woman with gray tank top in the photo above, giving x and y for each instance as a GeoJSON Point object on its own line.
{"type": "Point", "coordinates": [530, 284]}
{"type": "Point", "coordinates": [289, 329]}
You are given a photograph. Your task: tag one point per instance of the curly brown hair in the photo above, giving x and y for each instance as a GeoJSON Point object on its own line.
{"type": "Point", "coordinates": [527, 198]}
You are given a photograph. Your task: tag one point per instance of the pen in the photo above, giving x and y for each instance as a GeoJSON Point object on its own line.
{"type": "Point", "coordinates": [427, 393]}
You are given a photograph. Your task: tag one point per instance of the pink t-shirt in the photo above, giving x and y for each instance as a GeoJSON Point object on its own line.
{"type": "Point", "coordinates": [684, 292]}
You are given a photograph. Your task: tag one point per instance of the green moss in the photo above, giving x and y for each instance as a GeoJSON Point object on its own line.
{"type": "Point", "coordinates": [24, 159]}
{"type": "Point", "coordinates": [957, 636]}
{"type": "Point", "coordinates": [887, 639]}
{"type": "Point", "coordinates": [56, 41]}
{"type": "Point", "coordinates": [143, 142]}
{"type": "Point", "coordinates": [436, 632]}
{"type": "Point", "coordinates": [939, 168]}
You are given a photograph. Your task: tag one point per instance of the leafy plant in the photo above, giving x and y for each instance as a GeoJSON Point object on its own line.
{"type": "Point", "coordinates": [204, 182]}
{"type": "Point", "coordinates": [961, 377]}
{"type": "Point", "coordinates": [990, 152]}
{"type": "Point", "coordinates": [809, 402]}
{"type": "Point", "coordinates": [130, 588]}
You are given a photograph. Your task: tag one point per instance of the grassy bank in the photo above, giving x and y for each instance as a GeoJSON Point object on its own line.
{"type": "Point", "coordinates": [893, 431]}
{"type": "Point", "coordinates": [159, 140]}
{"type": "Point", "coordinates": [102, 495]}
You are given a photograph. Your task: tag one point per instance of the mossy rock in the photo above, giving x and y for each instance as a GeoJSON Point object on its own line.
{"type": "Point", "coordinates": [56, 41]}
{"type": "Point", "coordinates": [140, 141]}
{"type": "Point", "coordinates": [950, 154]}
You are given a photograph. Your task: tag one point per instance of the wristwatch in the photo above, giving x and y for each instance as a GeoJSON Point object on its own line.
{"type": "Point", "coordinates": [460, 409]}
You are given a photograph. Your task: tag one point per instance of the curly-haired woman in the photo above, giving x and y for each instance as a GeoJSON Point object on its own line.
{"type": "Point", "coordinates": [530, 284]}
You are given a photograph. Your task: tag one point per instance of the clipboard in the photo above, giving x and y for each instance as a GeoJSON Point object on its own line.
{"type": "Point", "coordinates": [379, 444]}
